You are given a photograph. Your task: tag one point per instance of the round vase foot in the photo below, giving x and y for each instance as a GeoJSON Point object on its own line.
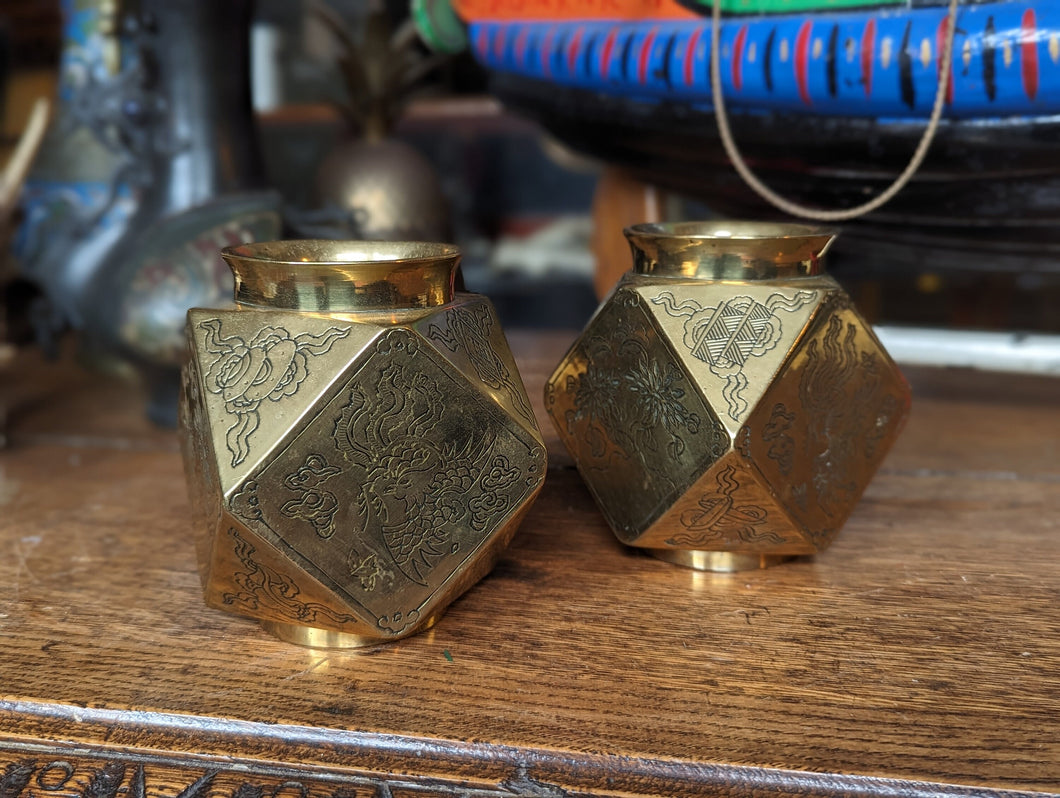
{"type": "Point", "coordinates": [721, 561]}
{"type": "Point", "coordinates": [312, 637]}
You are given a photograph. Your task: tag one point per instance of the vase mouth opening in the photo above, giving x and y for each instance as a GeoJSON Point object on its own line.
{"type": "Point", "coordinates": [325, 252]}
{"type": "Point", "coordinates": [343, 276]}
{"type": "Point", "coordinates": [739, 250]}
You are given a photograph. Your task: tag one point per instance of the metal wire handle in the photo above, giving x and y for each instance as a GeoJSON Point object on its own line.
{"type": "Point", "coordinates": [794, 208]}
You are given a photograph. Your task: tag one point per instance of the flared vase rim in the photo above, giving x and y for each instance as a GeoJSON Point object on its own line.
{"type": "Point", "coordinates": [731, 230]}
{"type": "Point", "coordinates": [323, 275]}
{"type": "Point", "coordinates": [332, 254]}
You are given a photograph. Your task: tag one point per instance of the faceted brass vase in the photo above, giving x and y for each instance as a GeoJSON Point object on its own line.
{"type": "Point", "coordinates": [726, 405]}
{"type": "Point", "coordinates": [358, 442]}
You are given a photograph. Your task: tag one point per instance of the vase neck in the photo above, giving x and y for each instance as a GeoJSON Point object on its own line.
{"type": "Point", "coordinates": [343, 276]}
{"type": "Point", "coordinates": [728, 250]}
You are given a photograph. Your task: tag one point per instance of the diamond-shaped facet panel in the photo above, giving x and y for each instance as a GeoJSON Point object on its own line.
{"type": "Point", "coordinates": [624, 406]}
{"type": "Point", "coordinates": [353, 475]}
{"type": "Point", "coordinates": [828, 419]}
{"type": "Point", "coordinates": [387, 490]}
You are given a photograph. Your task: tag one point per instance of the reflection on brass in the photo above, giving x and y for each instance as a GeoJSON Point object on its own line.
{"type": "Point", "coordinates": [727, 405]}
{"type": "Point", "coordinates": [357, 440]}
{"type": "Point", "coordinates": [110, 23]}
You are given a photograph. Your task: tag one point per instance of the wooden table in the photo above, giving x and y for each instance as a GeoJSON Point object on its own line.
{"type": "Point", "coordinates": [920, 655]}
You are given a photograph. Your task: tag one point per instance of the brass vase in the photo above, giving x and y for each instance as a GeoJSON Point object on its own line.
{"type": "Point", "coordinates": [358, 442]}
{"type": "Point", "coordinates": [726, 405]}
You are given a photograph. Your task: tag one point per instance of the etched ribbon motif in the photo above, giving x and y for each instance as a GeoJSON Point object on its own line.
{"type": "Point", "coordinates": [717, 517]}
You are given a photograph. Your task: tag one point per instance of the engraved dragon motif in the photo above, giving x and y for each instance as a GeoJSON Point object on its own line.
{"type": "Point", "coordinates": [417, 482]}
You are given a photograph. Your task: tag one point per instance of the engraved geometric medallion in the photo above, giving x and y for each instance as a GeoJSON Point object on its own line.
{"type": "Point", "coordinates": [737, 340]}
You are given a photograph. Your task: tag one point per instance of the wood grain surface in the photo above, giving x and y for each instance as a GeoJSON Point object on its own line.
{"type": "Point", "coordinates": [920, 655]}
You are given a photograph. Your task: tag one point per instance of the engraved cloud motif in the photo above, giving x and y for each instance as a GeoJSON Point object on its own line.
{"type": "Point", "coordinates": [314, 504]}
{"type": "Point", "coordinates": [262, 587]}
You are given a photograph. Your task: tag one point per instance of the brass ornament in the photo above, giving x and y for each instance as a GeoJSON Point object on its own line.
{"type": "Point", "coordinates": [726, 405]}
{"type": "Point", "coordinates": [358, 443]}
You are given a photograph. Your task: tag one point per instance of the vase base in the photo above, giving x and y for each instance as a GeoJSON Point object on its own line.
{"type": "Point", "coordinates": [720, 561]}
{"type": "Point", "coordinates": [313, 637]}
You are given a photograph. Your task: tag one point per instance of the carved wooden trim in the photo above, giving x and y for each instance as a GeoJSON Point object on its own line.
{"type": "Point", "coordinates": [43, 769]}
{"type": "Point", "coordinates": [36, 773]}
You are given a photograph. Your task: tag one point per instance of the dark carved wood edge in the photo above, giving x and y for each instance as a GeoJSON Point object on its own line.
{"type": "Point", "coordinates": [136, 754]}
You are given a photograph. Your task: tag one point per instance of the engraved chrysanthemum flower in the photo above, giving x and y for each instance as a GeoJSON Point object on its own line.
{"type": "Point", "coordinates": [657, 394]}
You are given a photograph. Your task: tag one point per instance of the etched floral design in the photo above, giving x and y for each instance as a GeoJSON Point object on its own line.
{"type": "Point", "coordinates": [626, 394]}
{"type": "Point", "coordinates": [271, 365]}
{"type": "Point", "coordinates": [656, 388]}
{"type": "Point", "coordinates": [597, 405]}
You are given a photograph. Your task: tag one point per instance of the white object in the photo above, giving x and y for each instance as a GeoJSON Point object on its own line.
{"type": "Point", "coordinates": [266, 76]}
{"type": "Point", "coordinates": [989, 351]}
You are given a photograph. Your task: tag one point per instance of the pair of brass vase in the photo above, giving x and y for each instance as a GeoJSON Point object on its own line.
{"type": "Point", "coordinates": [360, 447]}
